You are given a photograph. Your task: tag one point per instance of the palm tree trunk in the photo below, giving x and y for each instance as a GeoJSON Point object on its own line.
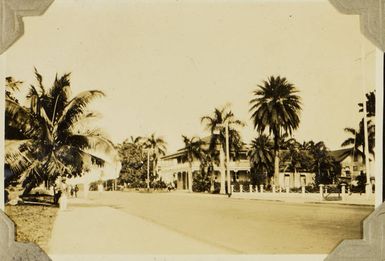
{"type": "Point", "coordinates": [190, 178]}
{"type": "Point", "coordinates": [276, 168]}
{"type": "Point", "coordinates": [222, 168]}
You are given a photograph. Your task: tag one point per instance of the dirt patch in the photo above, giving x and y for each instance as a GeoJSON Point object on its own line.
{"type": "Point", "coordinates": [33, 223]}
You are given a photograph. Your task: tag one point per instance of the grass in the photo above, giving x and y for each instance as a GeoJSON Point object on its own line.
{"type": "Point", "coordinates": [33, 223]}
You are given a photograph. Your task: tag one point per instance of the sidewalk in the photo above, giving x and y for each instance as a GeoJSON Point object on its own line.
{"type": "Point", "coordinates": [315, 198]}
{"type": "Point", "coordinates": [87, 228]}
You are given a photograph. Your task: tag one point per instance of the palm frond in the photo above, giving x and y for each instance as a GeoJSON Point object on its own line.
{"type": "Point", "coordinates": [76, 108]}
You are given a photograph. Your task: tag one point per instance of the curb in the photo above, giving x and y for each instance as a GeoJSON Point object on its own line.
{"type": "Point", "coordinates": [310, 202]}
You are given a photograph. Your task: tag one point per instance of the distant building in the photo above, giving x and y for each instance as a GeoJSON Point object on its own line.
{"type": "Point", "coordinates": [352, 164]}
{"type": "Point", "coordinates": [173, 168]}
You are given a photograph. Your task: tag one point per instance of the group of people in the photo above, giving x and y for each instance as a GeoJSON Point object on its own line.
{"type": "Point", "coordinates": [74, 191]}
{"type": "Point", "coordinates": [63, 191]}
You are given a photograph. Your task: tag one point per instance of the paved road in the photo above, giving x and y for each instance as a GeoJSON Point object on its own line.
{"type": "Point", "coordinates": [244, 226]}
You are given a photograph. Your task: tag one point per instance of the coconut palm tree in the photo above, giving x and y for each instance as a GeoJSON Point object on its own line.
{"type": "Point", "coordinates": [261, 155]}
{"type": "Point", "coordinates": [193, 148]}
{"type": "Point", "coordinates": [11, 86]}
{"type": "Point", "coordinates": [357, 139]}
{"type": "Point", "coordinates": [215, 123]}
{"type": "Point", "coordinates": [157, 146]}
{"type": "Point", "coordinates": [276, 107]}
{"type": "Point", "coordinates": [52, 144]}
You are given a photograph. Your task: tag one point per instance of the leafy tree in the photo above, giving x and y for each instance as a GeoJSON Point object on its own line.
{"type": "Point", "coordinates": [133, 158]}
{"type": "Point", "coordinates": [50, 143]}
{"type": "Point", "coordinates": [295, 156]}
{"type": "Point", "coordinates": [261, 158]}
{"type": "Point", "coordinates": [276, 107]}
{"type": "Point", "coordinates": [201, 182]}
{"type": "Point", "coordinates": [323, 164]}
{"type": "Point", "coordinates": [361, 182]}
{"type": "Point", "coordinates": [193, 148]}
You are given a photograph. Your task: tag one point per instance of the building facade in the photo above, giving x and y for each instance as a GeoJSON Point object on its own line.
{"type": "Point", "coordinates": [352, 165]}
{"type": "Point", "coordinates": [174, 168]}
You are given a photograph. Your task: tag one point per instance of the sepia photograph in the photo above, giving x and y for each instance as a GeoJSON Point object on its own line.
{"type": "Point", "coordinates": [206, 127]}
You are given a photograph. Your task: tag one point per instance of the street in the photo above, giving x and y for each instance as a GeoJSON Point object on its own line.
{"type": "Point", "coordinates": [242, 225]}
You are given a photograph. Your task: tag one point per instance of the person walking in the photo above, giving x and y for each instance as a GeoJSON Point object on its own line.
{"type": "Point", "coordinates": [76, 189]}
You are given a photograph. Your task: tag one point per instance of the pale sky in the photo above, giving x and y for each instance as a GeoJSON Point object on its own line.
{"type": "Point", "coordinates": [164, 64]}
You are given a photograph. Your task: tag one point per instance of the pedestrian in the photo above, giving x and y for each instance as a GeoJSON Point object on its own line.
{"type": "Point", "coordinates": [57, 197]}
{"type": "Point", "coordinates": [100, 188]}
{"type": "Point", "coordinates": [72, 191]}
{"type": "Point", "coordinates": [64, 194]}
{"type": "Point", "coordinates": [76, 190]}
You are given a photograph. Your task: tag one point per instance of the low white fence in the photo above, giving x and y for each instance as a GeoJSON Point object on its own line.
{"type": "Point", "coordinates": [336, 194]}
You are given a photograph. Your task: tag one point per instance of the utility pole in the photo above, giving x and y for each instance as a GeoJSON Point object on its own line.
{"type": "Point", "coordinates": [228, 159]}
{"type": "Point", "coordinates": [217, 132]}
{"type": "Point", "coordinates": [368, 189]}
{"type": "Point", "coordinates": [148, 169]}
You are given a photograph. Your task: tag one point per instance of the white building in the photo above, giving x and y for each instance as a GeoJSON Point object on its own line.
{"type": "Point", "coordinates": [175, 167]}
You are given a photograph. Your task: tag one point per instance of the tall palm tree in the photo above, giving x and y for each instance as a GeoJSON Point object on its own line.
{"type": "Point", "coordinates": [193, 147]}
{"type": "Point", "coordinates": [261, 155]}
{"type": "Point", "coordinates": [220, 117]}
{"type": "Point", "coordinates": [53, 145]}
{"type": "Point", "coordinates": [157, 146]}
{"type": "Point", "coordinates": [276, 107]}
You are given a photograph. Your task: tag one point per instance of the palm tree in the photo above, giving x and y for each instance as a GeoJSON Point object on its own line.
{"type": "Point", "coordinates": [212, 123]}
{"type": "Point", "coordinates": [357, 139]}
{"type": "Point", "coordinates": [261, 155]}
{"type": "Point", "coordinates": [370, 104]}
{"type": "Point", "coordinates": [322, 163]}
{"type": "Point", "coordinates": [276, 107]}
{"type": "Point", "coordinates": [12, 85]}
{"type": "Point", "coordinates": [193, 147]}
{"type": "Point", "coordinates": [157, 146]}
{"type": "Point", "coordinates": [294, 156]}
{"type": "Point", "coordinates": [52, 144]}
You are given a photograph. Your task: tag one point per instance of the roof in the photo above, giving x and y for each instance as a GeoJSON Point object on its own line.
{"type": "Point", "coordinates": [182, 151]}
{"type": "Point", "coordinates": [340, 155]}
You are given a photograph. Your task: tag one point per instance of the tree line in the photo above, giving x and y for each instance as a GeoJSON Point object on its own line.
{"type": "Point", "coordinates": [50, 138]}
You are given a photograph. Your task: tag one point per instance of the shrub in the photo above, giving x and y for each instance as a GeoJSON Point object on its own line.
{"type": "Point", "coordinates": [312, 189]}
{"type": "Point", "coordinates": [296, 190]}
{"type": "Point", "coordinates": [333, 188]}
{"type": "Point", "coordinates": [159, 184]}
{"type": "Point", "coordinates": [201, 182]}
{"type": "Point", "coordinates": [236, 187]}
{"type": "Point", "coordinates": [217, 188]}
